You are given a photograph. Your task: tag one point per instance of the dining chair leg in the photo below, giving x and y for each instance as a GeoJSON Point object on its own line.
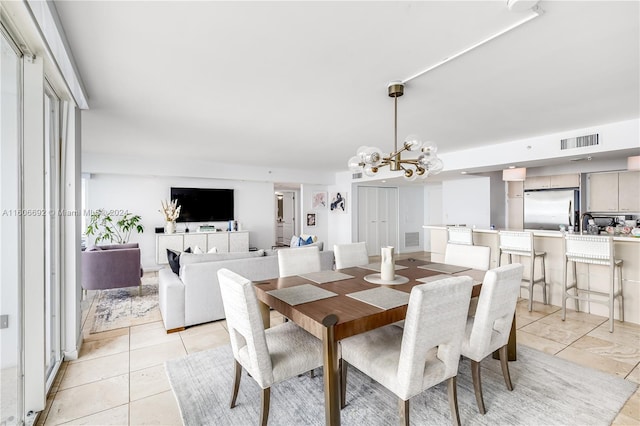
{"type": "Point", "coordinates": [236, 383]}
{"type": "Point", "coordinates": [477, 385]}
{"type": "Point", "coordinates": [621, 301]}
{"type": "Point", "coordinates": [452, 387]}
{"type": "Point", "coordinates": [544, 281]}
{"type": "Point", "coordinates": [264, 411]}
{"type": "Point", "coordinates": [343, 382]}
{"type": "Point", "coordinates": [532, 266]}
{"type": "Point", "coordinates": [575, 283]}
{"type": "Point", "coordinates": [312, 374]}
{"type": "Point", "coordinates": [504, 363]}
{"type": "Point", "coordinates": [404, 411]}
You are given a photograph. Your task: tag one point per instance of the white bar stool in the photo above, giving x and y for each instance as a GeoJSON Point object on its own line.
{"type": "Point", "coordinates": [592, 250]}
{"type": "Point", "coordinates": [520, 243]}
{"type": "Point", "coordinates": [460, 235]}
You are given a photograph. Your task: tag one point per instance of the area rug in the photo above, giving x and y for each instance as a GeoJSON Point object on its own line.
{"type": "Point", "coordinates": [124, 307]}
{"type": "Point", "coordinates": [547, 391]}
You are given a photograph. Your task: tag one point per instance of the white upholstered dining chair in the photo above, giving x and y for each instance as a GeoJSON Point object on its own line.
{"type": "Point", "coordinates": [489, 330]}
{"type": "Point", "coordinates": [474, 257]}
{"type": "Point", "coordinates": [426, 352]}
{"type": "Point", "coordinates": [295, 261]}
{"type": "Point", "coordinates": [349, 255]}
{"type": "Point", "coordinates": [269, 356]}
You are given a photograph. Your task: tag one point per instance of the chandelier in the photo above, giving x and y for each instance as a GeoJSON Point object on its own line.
{"type": "Point", "coordinates": [369, 160]}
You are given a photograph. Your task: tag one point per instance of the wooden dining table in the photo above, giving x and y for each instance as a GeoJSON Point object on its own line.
{"type": "Point", "coordinates": [335, 318]}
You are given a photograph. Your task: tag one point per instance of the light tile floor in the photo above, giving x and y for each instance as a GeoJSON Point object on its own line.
{"type": "Point", "coordinates": [119, 377]}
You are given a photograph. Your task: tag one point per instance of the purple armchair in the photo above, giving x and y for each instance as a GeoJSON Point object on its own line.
{"type": "Point", "coordinates": [112, 266]}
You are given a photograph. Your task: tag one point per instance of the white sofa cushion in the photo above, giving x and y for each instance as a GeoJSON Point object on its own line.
{"type": "Point", "coordinates": [194, 297]}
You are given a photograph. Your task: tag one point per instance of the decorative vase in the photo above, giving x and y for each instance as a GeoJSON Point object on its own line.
{"type": "Point", "coordinates": [170, 227]}
{"type": "Point", "coordinates": [387, 264]}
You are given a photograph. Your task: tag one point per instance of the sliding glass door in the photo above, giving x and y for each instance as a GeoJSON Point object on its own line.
{"type": "Point", "coordinates": [52, 233]}
{"type": "Point", "coordinates": [11, 401]}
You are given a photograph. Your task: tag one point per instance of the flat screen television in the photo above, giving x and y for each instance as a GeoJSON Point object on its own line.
{"type": "Point", "coordinates": [204, 204]}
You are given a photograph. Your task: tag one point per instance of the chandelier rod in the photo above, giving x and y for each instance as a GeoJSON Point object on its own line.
{"type": "Point", "coordinates": [395, 124]}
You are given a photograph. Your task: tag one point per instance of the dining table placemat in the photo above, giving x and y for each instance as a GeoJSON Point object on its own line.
{"type": "Point", "coordinates": [433, 278]}
{"type": "Point", "coordinates": [299, 294]}
{"type": "Point", "coordinates": [376, 267]}
{"type": "Point", "coordinates": [441, 267]}
{"type": "Point", "coordinates": [381, 297]}
{"type": "Point", "coordinates": [322, 277]}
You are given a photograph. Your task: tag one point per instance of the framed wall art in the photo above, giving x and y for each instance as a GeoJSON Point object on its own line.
{"type": "Point", "coordinates": [311, 219]}
{"type": "Point", "coordinates": [319, 200]}
{"type": "Point", "coordinates": [338, 202]}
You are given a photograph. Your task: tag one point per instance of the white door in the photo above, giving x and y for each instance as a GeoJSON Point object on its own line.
{"type": "Point", "coordinates": [377, 218]}
{"type": "Point", "coordinates": [288, 216]}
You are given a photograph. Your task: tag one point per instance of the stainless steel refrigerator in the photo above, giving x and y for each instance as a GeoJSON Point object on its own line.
{"type": "Point", "coordinates": [550, 208]}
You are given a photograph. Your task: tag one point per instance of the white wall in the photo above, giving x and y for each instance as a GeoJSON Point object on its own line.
{"type": "Point", "coordinates": [432, 210]}
{"type": "Point", "coordinates": [411, 213]}
{"type": "Point", "coordinates": [613, 137]}
{"type": "Point", "coordinates": [467, 201]}
{"type": "Point", "coordinates": [341, 226]}
{"type": "Point", "coordinates": [322, 214]}
{"type": "Point", "coordinates": [498, 200]}
{"type": "Point", "coordinates": [254, 205]}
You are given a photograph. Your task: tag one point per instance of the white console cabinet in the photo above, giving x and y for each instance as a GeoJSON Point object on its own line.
{"type": "Point", "coordinates": [237, 241]}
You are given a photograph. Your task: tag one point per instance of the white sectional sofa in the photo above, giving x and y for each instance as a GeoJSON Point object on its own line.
{"type": "Point", "coordinates": [193, 297]}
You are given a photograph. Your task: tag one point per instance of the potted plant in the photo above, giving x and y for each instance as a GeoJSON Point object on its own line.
{"type": "Point", "coordinates": [171, 212]}
{"type": "Point", "coordinates": [105, 226]}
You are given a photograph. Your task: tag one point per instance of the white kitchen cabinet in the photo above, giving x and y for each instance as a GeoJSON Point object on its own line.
{"type": "Point", "coordinates": [515, 189]}
{"type": "Point", "coordinates": [603, 192]}
{"type": "Point", "coordinates": [537, 182]}
{"type": "Point", "coordinates": [629, 192]}
{"type": "Point", "coordinates": [617, 192]}
{"type": "Point", "coordinates": [571, 180]}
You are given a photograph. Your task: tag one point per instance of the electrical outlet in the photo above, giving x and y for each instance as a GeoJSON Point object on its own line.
{"type": "Point", "coordinates": [4, 321]}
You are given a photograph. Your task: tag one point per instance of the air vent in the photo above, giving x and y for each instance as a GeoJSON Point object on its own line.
{"type": "Point", "coordinates": [356, 175]}
{"type": "Point", "coordinates": [411, 239]}
{"type": "Point", "coordinates": [579, 142]}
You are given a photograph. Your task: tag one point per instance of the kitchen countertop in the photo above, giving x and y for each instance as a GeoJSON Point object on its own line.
{"type": "Point", "coordinates": [536, 233]}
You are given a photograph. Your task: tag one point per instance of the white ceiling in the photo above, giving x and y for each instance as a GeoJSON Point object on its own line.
{"type": "Point", "coordinates": [303, 84]}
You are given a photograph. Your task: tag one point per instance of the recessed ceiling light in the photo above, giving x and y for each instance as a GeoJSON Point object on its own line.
{"type": "Point", "coordinates": [512, 167]}
{"type": "Point", "coordinates": [463, 173]}
{"type": "Point", "coordinates": [384, 181]}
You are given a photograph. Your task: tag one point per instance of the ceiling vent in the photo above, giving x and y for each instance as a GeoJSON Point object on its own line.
{"type": "Point", "coordinates": [357, 175]}
{"type": "Point", "coordinates": [579, 142]}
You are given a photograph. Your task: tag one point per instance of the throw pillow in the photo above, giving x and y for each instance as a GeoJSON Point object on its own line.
{"type": "Point", "coordinates": [174, 259]}
{"type": "Point", "coordinates": [197, 250]}
{"type": "Point", "coordinates": [213, 250]}
{"type": "Point", "coordinates": [295, 241]}
{"type": "Point", "coordinates": [93, 248]}
{"type": "Point", "coordinates": [308, 241]}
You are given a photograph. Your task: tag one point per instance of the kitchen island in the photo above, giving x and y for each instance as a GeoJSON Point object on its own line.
{"type": "Point", "coordinates": [595, 277]}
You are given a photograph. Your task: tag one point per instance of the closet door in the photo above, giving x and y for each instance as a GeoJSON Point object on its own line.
{"type": "Point", "coordinates": [368, 219]}
{"type": "Point", "coordinates": [388, 217]}
{"type": "Point", "coordinates": [377, 218]}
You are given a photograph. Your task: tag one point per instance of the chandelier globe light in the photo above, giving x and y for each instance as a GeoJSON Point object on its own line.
{"type": "Point", "coordinates": [368, 160]}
